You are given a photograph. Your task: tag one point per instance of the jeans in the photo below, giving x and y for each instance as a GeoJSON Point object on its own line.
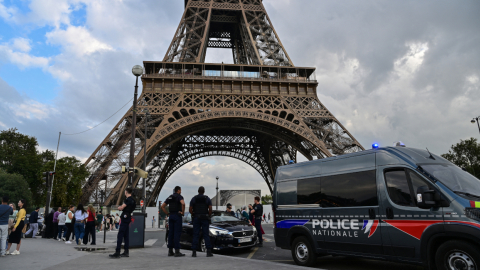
{"type": "Point", "coordinates": [123, 235]}
{"type": "Point", "coordinates": [34, 228]}
{"type": "Point", "coordinates": [90, 229]}
{"type": "Point", "coordinates": [79, 231]}
{"type": "Point", "coordinates": [69, 230]}
{"type": "Point", "coordinates": [60, 229]}
{"type": "Point", "coordinates": [116, 226]}
{"type": "Point", "coordinates": [258, 226]}
{"type": "Point", "coordinates": [174, 231]}
{"type": "Point", "coordinates": [204, 225]}
{"type": "Point", "coordinates": [3, 238]}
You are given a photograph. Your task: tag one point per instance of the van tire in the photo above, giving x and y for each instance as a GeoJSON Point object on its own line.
{"type": "Point", "coordinates": [302, 252]}
{"type": "Point", "coordinates": [458, 252]}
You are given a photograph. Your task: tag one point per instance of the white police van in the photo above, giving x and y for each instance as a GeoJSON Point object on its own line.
{"type": "Point", "coordinates": [394, 203]}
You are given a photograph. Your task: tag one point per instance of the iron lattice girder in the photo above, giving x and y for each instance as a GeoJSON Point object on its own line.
{"type": "Point", "coordinates": [247, 27]}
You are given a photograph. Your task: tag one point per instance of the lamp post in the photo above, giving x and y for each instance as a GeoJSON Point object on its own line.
{"type": "Point", "coordinates": [137, 71]}
{"type": "Point", "coordinates": [217, 196]}
{"type": "Point", "coordinates": [147, 114]}
{"type": "Point", "coordinates": [476, 119]}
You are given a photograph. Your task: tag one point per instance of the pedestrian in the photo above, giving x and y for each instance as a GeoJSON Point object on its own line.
{"type": "Point", "coordinates": [80, 217]}
{"type": "Point", "coordinates": [61, 225]}
{"type": "Point", "coordinates": [99, 221]}
{"type": "Point", "coordinates": [69, 223]}
{"type": "Point", "coordinates": [16, 235]}
{"type": "Point", "coordinates": [268, 217]}
{"type": "Point", "coordinates": [153, 222]}
{"type": "Point", "coordinates": [176, 206]}
{"type": "Point", "coordinates": [250, 215]}
{"type": "Point", "coordinates": [201, 211]}
{"type": "Point", "coordinates": [257, 211]}
{"type": "Point", "coordinates": [55, 222]}
{"type": "Point", "coordinates": [33, 222]}
{"type": "Point", "coordinates": [90, 226]}
{"type": "Point", "coordinates": [5, 212]}
{"type": "Point", "coordinates": [245, 215]}
{"type": "Point", "coordinates": [117, 221]}
{"type": "Point", "coordinates": [127, 208]}
{"type": "Point", "coordinates": [11, 219]}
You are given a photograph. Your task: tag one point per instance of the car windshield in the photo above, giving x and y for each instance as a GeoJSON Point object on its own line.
{"type": "Point", "coordinates": [224, 218]}
{"type": "Point", "coordinates": [454, 178]}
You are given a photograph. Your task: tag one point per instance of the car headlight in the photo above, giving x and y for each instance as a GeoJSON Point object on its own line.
{"type": "Point", "coordinates": [218, 231]}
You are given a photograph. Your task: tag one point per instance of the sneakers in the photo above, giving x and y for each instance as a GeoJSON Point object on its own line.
{"type": "Point", "coordinates": [59, 240]}
{"type": "Point", "coordinates": [16, 252]}
{"type": "Point", "coordinates": [7, 252]}
{"type": "Point", "coordinates": [3, 255]}
{"type": "Point", "coordinates": [68, 242]}
{"type": "Point", "coordinates": [63, 238]}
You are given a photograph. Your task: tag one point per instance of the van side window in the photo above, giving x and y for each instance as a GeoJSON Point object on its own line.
{"type": "Point", "coordinates": [398, 187]}
{"type": "Point", "coordinates": [417, 182]}
{"type": "Point", "coordinates": [308, 191]}
{"type": "Point", "coordinates": [349, 190]}
{"type": "Point", "coordinates": [287, 193]}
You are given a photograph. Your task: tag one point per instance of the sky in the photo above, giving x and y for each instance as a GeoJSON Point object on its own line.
{"type": "Point", "coordinates": [388, 70]}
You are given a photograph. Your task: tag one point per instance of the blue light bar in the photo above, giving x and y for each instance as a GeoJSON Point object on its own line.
{"type": "Point", "coordinates": [375, 146]}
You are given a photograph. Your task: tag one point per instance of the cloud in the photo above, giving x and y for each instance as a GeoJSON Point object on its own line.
{"type": "Point", "coordinates": [16, 51]}
{"type": "Point", "coordinates": [77, 40]}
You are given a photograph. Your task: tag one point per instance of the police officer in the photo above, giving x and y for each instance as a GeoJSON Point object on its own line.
{"type": "Point", "coordinates": [257, 211]}
{"type": "Point", "coordinates": [127, 207]}
{"type": "Point", "coordinates": [176, 206]}
{"type": "Point", "coordinates": [201, 210]}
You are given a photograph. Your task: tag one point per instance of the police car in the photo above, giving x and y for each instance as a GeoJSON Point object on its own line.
{"type": "Point", "coordinates": [394, 203]}
{"type": "Point", "coordinates": [226, 233]}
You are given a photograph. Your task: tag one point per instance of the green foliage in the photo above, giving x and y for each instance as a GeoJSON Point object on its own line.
{"type": "Point", "coordinates": [466, 154]}
{"type": "Point", "coordinates": [267, 199]}
{"type": "Point", "coordinates": [68, 181]}
{"type": "Point", "coordinates": [14, 187]}
{"type": "Point", "coordinates": [18, 155]}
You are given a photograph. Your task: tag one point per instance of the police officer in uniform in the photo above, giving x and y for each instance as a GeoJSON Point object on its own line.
{"type": "Point", "coordinates": [258, 213]}
{"type": "Point", "coordinates": [176, 205]}
{"type": "Point", "coordinates": [127, 207]}
{"type": "Point", "coordinates": [201, 210]}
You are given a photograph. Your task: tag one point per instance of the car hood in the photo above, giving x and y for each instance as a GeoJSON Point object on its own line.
{"type": "Point", "coordinates": [232, 226]}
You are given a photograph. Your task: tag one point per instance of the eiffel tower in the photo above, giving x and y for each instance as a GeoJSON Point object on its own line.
{"type": "Point", "coordinates": [261, 109]}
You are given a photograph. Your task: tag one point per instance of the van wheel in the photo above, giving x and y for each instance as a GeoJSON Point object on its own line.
{"type": "Point", "coordinates": [302, 252]}
{"type": "Point", "coordinates": [457, 255]}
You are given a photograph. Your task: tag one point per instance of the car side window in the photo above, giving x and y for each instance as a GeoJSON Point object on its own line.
{"type": "Point", "coordinates": [398, 187]}
{"type": "Point", "coordinates": [417, 182]}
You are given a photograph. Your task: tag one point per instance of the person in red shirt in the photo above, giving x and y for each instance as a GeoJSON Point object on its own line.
{"type": "Point", "coordinates": [90, 227]}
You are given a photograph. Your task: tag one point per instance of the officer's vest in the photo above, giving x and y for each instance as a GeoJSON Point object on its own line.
{"type": "Point", "coordinates": [175, 206]}
{"type": "Point", "coordinates": [200, 207]}
{"type": "Point", "coordinates": [129, 209]}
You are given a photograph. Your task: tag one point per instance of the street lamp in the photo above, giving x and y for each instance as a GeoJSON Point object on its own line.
{"type": "Point", "coordinates": [217, 195]}
{"type": "Point", "coordinates": [476, 119]}
{"type": "Point", "coordinates": [147, 114]}
{"type": "Point", "coordinates": [137, 71]}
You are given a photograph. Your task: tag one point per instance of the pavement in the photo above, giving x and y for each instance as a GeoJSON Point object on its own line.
{"type": "Point", "coordinates": [50, 254]}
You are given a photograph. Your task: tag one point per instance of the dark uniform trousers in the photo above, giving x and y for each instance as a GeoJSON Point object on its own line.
{"type": "Point", "coordinates": [204, 225]}
{"type": "Point", "coordinates": [123, 234]}
{"type": "Point", "coordinates": [174, 231]}
{"type": "Point", "coordinates": [258, 226]}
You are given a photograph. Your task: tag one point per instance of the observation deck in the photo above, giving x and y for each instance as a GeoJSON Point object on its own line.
{"type": "Point", "coordinates": [228, 78]}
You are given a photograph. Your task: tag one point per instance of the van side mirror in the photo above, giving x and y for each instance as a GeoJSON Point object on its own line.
{"type": "Point", "coordinates": [427, 198]}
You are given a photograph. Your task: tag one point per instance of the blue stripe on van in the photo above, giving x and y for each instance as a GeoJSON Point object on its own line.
{"type": "Point", "coordinates": [287, 224]}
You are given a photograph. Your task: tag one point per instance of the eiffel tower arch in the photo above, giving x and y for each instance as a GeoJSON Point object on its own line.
{"type": "Point", "coordinates": [261, 109]}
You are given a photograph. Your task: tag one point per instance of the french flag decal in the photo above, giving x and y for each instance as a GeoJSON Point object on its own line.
{"type": "Point", "coordinates": [370, 226]}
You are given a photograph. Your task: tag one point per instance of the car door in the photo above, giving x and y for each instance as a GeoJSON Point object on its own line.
{"type": "Point", "coordinates": [350, 213]}
{"type": "Point", "coordinates": [404, 222]}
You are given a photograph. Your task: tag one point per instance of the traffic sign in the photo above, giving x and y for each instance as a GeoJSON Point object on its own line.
{"type": "Point", "coordinates": [141, 203]}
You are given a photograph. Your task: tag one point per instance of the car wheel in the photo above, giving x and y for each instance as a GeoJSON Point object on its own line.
{"type": "Point", "coordinates": [456, 255]}
{"type": "Point", "coordinates": [302, 252]}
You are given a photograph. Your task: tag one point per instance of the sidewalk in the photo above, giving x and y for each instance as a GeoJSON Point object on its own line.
{"type": "Point", "coordinates": [54, 255]}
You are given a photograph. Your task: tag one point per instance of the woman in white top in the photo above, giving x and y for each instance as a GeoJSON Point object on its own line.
{"type": "Point", "coordinates": [69, 224]}
{"type": "Point", "coordinates": [80, 220]}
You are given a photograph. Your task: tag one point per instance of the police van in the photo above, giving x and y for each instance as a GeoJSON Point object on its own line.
{"type": "Point", "coordinates": [393, 203]}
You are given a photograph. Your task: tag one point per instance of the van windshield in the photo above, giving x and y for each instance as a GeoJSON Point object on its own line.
{"type": "Point", "coordinates": [454, 178]}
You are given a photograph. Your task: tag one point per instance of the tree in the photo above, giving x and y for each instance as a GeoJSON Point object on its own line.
{"type": "Point", "coordinates": [267, 199]}
{"type": "Point", "coordinates": [466, 154]}
{"type": "Point", "coordinates": [14, 187]}
{"type": "Point", "coordinates": [70, 176]}
{"type": "Point", "coordinates": [18, 155]}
